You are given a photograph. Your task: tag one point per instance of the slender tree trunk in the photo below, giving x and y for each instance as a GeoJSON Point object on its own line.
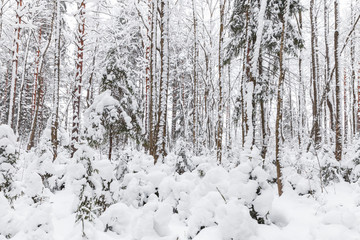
{"type": "Point", "coordinates": [314, 76]}
{"type": "Point", "coordinates": [152, 80]}
{"type": "Point", "coordinates": [263, 118]}
{"type": "Point", "coordinates": [301, 90]}
{"type": "Point", "coordinates": [161, 125]}
{"type": "Point", "coordinates": [90, 89]}
{"type": "Point", "coordinates": [55, 113]}
{"type": "Point", "coordinates": [37, 70]}
{"type": "Point", "coordinates": [220, 103]}
{"type": "Point", "coordinates": [353, 75]}
{"type": "Point", "coordinates": [174, 111]}
{"type": "Point", "coordinates": [244, 85]}
{"type": "Point", "coordinates": [338, 132]}
{"type": "Point", "coordinates": [22, 85]}
{"type": "Point", "coordinates": [148, 54]}
{"type": "Point", "coordinates": [40, 83]}
{"type": "Point", "coordinates": [110, 143]}
{"type": "Point", "coordinates": [165, 133]}
{"type": "Point", "coordinates": [279, 101]}
{"type": "Point", "coordinates": [327, 70]}
{"type": "Point", "coordinates": [243, 116]}
{"type": "Point", "coordinates": [345, 109]}
{"type": "Point", "coordinates": [228, 120]}
{"type": "Point", "coordinates": [80, 38]}
{"type": "Point", "coordinates": [194, 77]}
{"type": "Point", "coordinates": [1, 16]}
{"type": "Point", "coordinates": [15, 63]}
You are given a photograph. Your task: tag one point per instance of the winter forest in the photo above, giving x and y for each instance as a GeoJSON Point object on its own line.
{"type": "Point", "coordinates": [179, 119]}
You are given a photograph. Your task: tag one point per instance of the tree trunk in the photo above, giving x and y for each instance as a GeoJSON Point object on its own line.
{"type": "Point", "coordinates": [174, 111]}
{"type": "Point", "coordinates": [22, 85]}
{"type": "Point", "coordinates": [160, 126]}
{"type": "Point", "coordinates": [345, 109]}
{"type": "Point", "coordinates": [338, 130]}
{"type": "Point", "coordinates": [110, 143]}
{"type": "Point", "coordinates": [353, 75]}
{"type": "Point", "coordinates": [148, 66]}
{"type": "Point", "coordinates": [167, 19]}
{"type": "Point", "coordinates": [301, 90]}
{"type": "Point", "coordinates": [220, 103]}
{"type": "Point", "coordinates": [39, 80]}
{"type": "Point", "coordinates": [15, 63]}
{"type": "Point", "coordinates": [80, 38]}
{"type": "Point", "coordinates": [279, 102]}
{"type": "Point", "coordinates": [55, 113]}
{"type": "Point", "coordinates": [1, 16]}
{"type": "Point", "coordinates": [314, 76]}
{"type": "Point", "coordinates": [194, 77]}
{"type": "Point", "coordinates": [152, 80]}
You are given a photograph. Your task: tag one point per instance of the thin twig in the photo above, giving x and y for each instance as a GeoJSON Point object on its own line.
{"type": "Point", "coordinates": [221, 195]}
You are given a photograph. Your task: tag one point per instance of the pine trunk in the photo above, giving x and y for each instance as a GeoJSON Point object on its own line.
{"type": "Point", "coordinates": [279, 103]}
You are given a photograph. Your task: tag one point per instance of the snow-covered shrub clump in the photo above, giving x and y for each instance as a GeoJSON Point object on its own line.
{"type": "Point", "coordinates": [122, 87]}
{"type": "Point", "coordinates": [8, 157]}
{"type": "Point", "coordinates": [100, 117]}
{"type": "Point", "coordinates": [161, 199]}
{"type": "Point", "coordinates": [93, 181]}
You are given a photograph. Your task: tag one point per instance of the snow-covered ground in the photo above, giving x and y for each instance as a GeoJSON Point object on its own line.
{"type": "Point", "coordinates": [210, 202]}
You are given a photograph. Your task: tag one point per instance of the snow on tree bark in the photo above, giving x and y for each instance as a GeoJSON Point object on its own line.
{"type": "Point", "coordinates": [338, 122]}
{"type": "Point", "coordinates": [15, 62]}
{"type": "Point", "coordinates": [80, 44]}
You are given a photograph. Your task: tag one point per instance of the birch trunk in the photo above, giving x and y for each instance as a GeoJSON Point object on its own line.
{"type": "Point", "coordinates": [15, 63]}
{"type": "Point", "coordinates": [220, 82]}
{"type": "Point", "coordinates": [80, 38]}
{"type": "Point", "coordinates": [55, 113]}
{"type": "Point", "coordinates": [338, 123]}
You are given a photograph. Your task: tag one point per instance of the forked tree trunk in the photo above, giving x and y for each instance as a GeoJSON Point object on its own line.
{"type": "Point", "coordinates": [40, 83]}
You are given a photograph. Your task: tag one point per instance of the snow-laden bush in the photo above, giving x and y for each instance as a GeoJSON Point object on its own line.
{"type": "Point", "coordinates": [184, 152]}
{"type": "Point", "coordinates": [8, 158]}
{"type": "Point", "coordinates": [100, 117]}
{"type": "Point", "coordinates": [122, 87]}
{"type": "Point", "coordinates": [93, 180]}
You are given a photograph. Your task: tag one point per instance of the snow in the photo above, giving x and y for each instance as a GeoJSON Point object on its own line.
{"type": "Point", "coordinates": [154, 202]}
